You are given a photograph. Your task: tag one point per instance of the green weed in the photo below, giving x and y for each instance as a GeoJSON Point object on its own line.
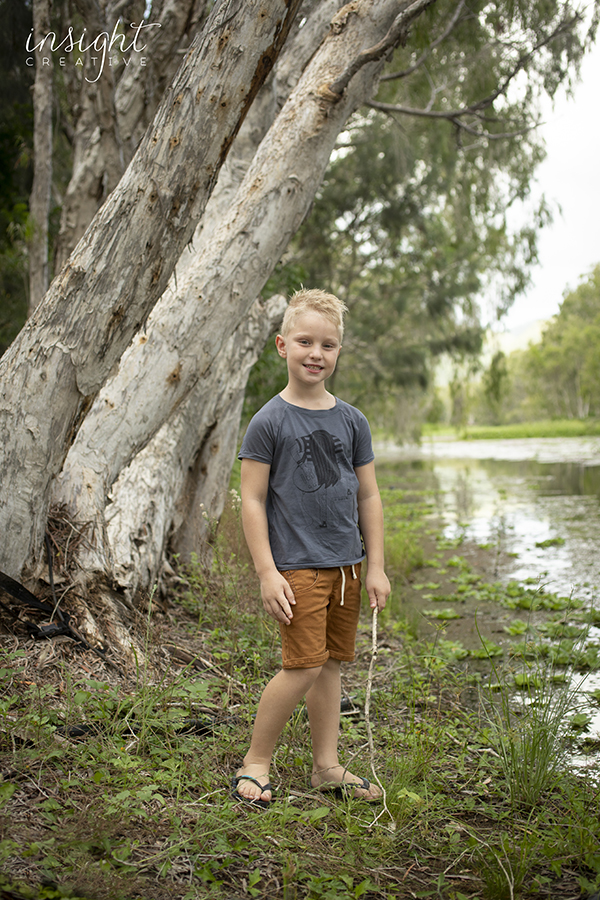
{"type": "Point", "coordinates": [529, 736]}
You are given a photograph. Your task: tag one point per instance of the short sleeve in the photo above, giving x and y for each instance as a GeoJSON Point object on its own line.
{"type": "Point", "coordinates": [259, 440]}
{"type": "Point", "coordinates": [362, 451]}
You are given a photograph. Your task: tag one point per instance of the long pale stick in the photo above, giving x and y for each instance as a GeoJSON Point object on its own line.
{"type": "Point", "coordinates": [374, 652]}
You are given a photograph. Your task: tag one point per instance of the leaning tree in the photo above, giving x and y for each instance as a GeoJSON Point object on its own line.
{"type": "Point", "coordinates": [121, 397]}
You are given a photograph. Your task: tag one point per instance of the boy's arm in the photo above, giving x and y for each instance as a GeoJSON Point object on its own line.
{"type": "Point", "coordinates": [370, 520]}
{"type": "Point", "coordinates": [277, 595]}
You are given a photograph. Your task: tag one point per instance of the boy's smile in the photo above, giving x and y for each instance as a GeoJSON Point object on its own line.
{"type": "Point", "coordinates": [311, 349]}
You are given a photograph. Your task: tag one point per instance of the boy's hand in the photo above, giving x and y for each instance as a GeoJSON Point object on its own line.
{"type": "Point", "coordinates": [378, 588]}
{"type": "Point", "coordinates": [278, 597]}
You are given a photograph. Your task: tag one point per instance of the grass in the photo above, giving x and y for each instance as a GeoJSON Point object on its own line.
{"type": "Point", "coordinates": [531, 737]}
{"type": "Point", "coordinates": [543, 429]}
{"type": "Point", "coordinates": [119, 789]}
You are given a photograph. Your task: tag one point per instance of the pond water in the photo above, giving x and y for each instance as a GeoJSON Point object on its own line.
{"type": "Point", "coordinates": [536, 500]}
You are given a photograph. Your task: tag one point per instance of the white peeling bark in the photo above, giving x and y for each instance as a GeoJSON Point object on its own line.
{"type": "Point", "coordinates": [39, 201]}
{"type": "Point", "coordinates": [139, 518]}
{"type": "Point", "coordinates": [120, 268]}
{"type": "Point", "coordinates": [113, 112]}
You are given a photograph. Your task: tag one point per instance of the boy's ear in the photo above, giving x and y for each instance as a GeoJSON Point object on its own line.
{"type": "Point", "coordinates": [280, 344]}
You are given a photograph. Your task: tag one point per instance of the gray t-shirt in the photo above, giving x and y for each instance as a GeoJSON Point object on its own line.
{"type": "Point", "coordinates": [312, 507]}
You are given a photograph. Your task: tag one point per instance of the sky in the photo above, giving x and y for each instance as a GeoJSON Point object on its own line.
{"type": "Point", "coordinates": [570, 177]}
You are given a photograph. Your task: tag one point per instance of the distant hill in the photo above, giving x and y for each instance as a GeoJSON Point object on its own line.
{"type": "Point", "coordinates": [517, 338]}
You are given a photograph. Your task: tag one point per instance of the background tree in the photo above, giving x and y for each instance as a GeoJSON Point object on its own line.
{"type": "Point", "coordinates": [16, 169]}
{"type": "Point", "coordinates": [40, 199]}
{"type": "Point", "coordinates": [495, 386]}
{"type": "Point", "coordinates": [560, 376]}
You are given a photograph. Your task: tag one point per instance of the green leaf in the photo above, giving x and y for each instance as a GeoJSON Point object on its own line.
{"type": "Point", "coordinates": [6, 791]}
{"type": "Point", "coordinates": [442, 613]}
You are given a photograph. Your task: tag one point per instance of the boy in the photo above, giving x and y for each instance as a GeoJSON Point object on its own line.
{"type": "Point", "coordinates": [308, 494]}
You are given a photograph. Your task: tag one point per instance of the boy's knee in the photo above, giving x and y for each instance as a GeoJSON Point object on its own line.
{"type": "Point", "coordinates": [312, 673]}
{"type": "Point", "coordinates": [332, 664]}
{"type": "Point", "coordinates": [307, 676]}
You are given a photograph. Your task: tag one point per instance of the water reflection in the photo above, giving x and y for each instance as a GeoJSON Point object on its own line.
{"type": "Point", "coordinates": [537, 501]}
{"type": "Point", "coordinates": [518, 495]}
{"type": "Point", "coordinates": [584, 450]}
{"type": "Point", "coordinates": [523, 508]}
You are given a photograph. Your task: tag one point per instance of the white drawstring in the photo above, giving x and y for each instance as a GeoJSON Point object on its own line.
{"type": "Point", "coordinates": [354, 575]}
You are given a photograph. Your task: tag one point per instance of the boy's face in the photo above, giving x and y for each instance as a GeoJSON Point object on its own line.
{"type": "Point", "coordinates": [311, 348]}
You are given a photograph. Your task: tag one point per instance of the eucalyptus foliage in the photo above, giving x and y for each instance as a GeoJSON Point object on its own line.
{"type": "Point", "coordinates": [560, 376]}
{"type": "Point", "coordinates": [410, 225]}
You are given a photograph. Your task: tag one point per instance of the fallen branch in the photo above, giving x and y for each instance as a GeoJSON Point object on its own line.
{"type": "Point", "coordinates": [368, 722]}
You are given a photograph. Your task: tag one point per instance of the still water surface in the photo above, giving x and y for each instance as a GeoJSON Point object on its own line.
{"type": "Point", "coordinates": [522, 492]}
{"type": "Point", "coordinates": [516, 494]}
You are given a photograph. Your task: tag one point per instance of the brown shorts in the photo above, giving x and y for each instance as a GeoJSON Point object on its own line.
{"type": "Point", "coordinates": [321, 625]}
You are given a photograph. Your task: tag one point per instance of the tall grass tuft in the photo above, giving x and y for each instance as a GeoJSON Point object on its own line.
{"type": "Point", "coordinates": [530, 736]}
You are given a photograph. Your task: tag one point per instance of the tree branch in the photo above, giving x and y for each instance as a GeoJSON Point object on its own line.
{"type": "Point", "coordinates": [454, 116]}
{"type": "Point", "coordinates": [451, 26]}
{"type": "Point", "coordinates": [396, 35]}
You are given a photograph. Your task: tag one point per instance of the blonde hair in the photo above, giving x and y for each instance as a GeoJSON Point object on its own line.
{"type": "Point", "coordinates": [314, 300]}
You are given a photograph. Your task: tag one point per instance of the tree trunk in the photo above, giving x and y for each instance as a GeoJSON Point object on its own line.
{"type": "Point", "coordinates": [113, 112]}
{"type": "Point", "coordinates": [120, 268]}
{"type": "Point", "coordinates": [185, 333]}
{"type": "Point", "coordinates": [141, 512]}
{"type": "Point", "coordinates": [39, 201]}
{"type": "Point", "coordinates": [179, 462]}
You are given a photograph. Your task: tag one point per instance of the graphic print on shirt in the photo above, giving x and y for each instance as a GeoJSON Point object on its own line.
{"type": "Point", "coordinates": [318, 471]}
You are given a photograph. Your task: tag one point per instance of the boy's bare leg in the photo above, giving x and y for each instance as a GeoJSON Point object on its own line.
{"type": "Point", "coordinates": [278, 701]}
{"type": "Point", "coordinates": [323, 704]}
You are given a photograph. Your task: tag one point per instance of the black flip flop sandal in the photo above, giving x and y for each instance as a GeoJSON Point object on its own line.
{"type": "Point", "coordinates": [262, 804]}
{"type": "Point", "coordinates": [345, 791]}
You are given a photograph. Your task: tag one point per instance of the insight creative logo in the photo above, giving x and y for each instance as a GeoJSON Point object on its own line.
{"type": "Point", "coordinates": [83, 48]}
